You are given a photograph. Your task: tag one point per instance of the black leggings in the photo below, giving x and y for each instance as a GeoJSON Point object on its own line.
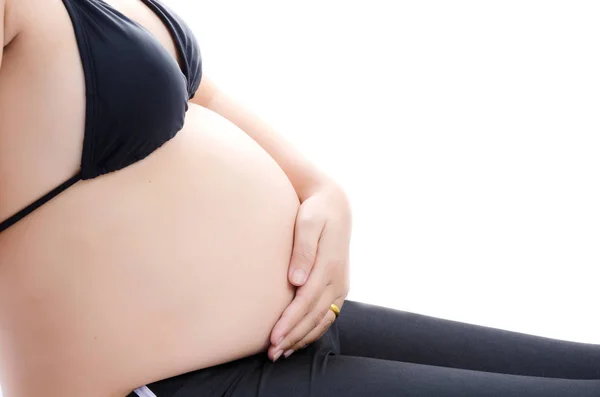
{"type": "Point", "coordinates": [372, 351]}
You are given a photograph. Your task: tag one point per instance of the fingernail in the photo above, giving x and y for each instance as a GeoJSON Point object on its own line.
{"type": "Point", "coordinates": [298, 276]}
{"type": "Point", "coordinates": [277, 355]}
{"type": "Point", "coordinates": [288, 353]}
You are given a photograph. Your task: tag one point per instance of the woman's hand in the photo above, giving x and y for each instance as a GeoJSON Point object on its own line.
{"type": "Point", "coordinates": [322, 231]}
{"type": "Point", "coordinates": [318, 267]}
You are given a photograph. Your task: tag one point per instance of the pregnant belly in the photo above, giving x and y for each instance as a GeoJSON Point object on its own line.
{"type": "Point", "coordinates": [175, 263]}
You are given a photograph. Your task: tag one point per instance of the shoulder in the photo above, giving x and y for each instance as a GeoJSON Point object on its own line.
{"type": "Point", "coordinates": [20, 16]}
{"type": "Point", "coordinates": [3, 39]}
{"type": "Point", "coordinates": [9, 20]}
{"type": "Point", "coordinates": [2, 11]}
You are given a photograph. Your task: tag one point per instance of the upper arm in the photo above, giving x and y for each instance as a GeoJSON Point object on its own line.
{"type": "Point", "coordinates": [205, 92]}
{"type": "Point", "coordinates": [2, 8]}
{"type": "Point", "coordinates": [8, 24]}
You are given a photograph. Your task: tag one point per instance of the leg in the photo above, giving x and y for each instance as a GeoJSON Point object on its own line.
{"type": "Point", "coordinates": [319, 371]}
{"type": "Point", "coordinates": [372, 331]}
{"type": "Point", "coordinates": [347, 376]}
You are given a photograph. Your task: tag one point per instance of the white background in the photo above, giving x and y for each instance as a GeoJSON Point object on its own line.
{"type": "Point", "coordinates": [466, 134]}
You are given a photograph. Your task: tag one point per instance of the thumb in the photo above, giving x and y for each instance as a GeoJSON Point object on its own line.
{"type": "Point", "coordinates": [307, 232]}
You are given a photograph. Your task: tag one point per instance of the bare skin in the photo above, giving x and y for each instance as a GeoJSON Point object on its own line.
{"type": "Point", "coordinates": [131, 277]}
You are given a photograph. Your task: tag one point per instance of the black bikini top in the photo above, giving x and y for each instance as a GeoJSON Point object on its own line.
{"type": "Point", "coordinates": [136, 92]}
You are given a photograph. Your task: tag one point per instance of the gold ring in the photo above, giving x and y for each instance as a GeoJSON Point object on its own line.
{"type": "Point", "coordinates": [335, 310]}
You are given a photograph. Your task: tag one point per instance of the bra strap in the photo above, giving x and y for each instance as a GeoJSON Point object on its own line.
{"type": "Point", "coordinates": [39, 202]}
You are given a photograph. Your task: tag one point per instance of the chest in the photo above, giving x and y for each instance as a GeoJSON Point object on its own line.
{"type": "Point", "coordinates": [45, 25]}
{"type": "Point", "coordinates": [102, 74]}
{"type": "Point", "coordinates": [140, 12]}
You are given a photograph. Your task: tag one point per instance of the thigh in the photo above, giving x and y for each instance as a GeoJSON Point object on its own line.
{"type": "Point", "coordinates": [377, 332]}
{"type": "Point", "coordinates": [319, 371]}
{"type": "Point", "coordinates": [350, 376]}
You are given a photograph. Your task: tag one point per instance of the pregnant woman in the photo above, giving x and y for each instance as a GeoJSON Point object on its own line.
{"type": "Point", "coordinates": [157, 239]}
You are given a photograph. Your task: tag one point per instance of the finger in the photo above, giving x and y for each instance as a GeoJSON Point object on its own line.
{"type": "Point", "coordinates": [317, 332]}
{"type": "Point", "coordinates": [307, 232]}
{"type": "Point", "coordinates": [309, 323]}
{"type": "Point", "coordinates": [304, 327]}
{"type": "Point", "coordinates": [303, 303]}
{"type": "Point", "coordinates": [313, 335]}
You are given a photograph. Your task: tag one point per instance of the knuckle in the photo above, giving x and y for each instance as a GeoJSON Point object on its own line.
{"type": "Point", "coordinates": [320, 315]}
{"type": "Point", "coordinates": [307, 219]}
{"type": "Point", "coordinates": [292, 343]}
{"type": "Point", "coordinates": [292, 339]}
{"type": "Point", "coordinates": [333, 269]}
{"type": "Point", "coordinates": [346, 284]}
{"type": "Point", "coordinates": [345, 291]}
{"type": "Point", "coordinates": [316, 321]}
{"type": "Point", "coordinates": [337, 263]}
{"type": "Point", "coordinates": [304, 302]}
{"type": "Point", "coordinates": [305, 255]}
{"type": "Point", "coordinates": [301, 344]}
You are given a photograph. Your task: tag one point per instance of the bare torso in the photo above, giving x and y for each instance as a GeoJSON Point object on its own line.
{"type": "Point", "coordinates": [175, 263]}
